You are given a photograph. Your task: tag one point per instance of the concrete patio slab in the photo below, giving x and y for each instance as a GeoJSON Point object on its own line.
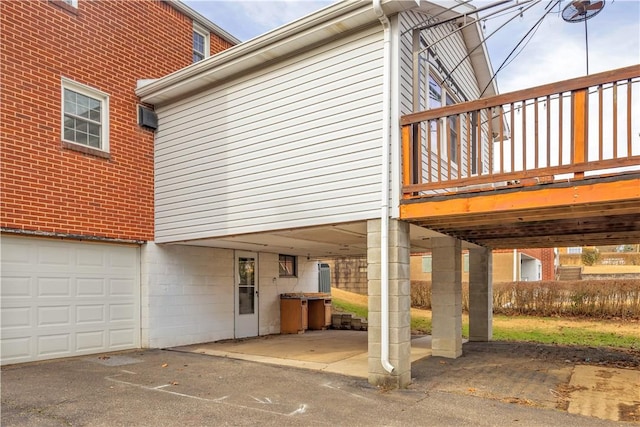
{"type": "Point", "coordinates": [336, 351]}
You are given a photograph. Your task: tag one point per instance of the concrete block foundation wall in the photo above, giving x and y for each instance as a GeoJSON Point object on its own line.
{"type": "Point", "coordinates": [399, 305]}
{"type": "Point", "coordinates": [349, 274]}
{"type": "Point", "coordinates": [187, 295]}
{"type": "Point", "coordinates": [446, 300]}
{"type": "Point", "coordinates": [480, 295]}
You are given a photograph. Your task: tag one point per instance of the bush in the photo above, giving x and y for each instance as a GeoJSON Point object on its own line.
{"type": "Point", "coordinates": [590, 256]}
{"type": "Point", "coordinates": [590, 298]}
{"type": "Point", "coordinates": [421, 294]}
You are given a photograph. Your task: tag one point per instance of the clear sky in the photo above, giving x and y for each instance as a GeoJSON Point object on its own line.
{"type": "Point", "coordinates": [556, 51]}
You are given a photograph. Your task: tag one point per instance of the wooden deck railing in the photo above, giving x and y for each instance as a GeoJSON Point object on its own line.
{"type": "Point", "coordinates": [558, 131]}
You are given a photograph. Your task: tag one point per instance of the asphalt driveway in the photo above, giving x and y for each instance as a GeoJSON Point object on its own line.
{"type": "Point", "coordinates": [166, 388]}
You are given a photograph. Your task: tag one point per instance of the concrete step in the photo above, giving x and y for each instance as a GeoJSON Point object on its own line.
{"type": "Point", "coordinates": [570, 273]}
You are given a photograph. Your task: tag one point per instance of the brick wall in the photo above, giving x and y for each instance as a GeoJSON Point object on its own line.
{"type": "Point", "coordinates": [546, 257]}
{"type": "Point", "coordinates": [107, 45]}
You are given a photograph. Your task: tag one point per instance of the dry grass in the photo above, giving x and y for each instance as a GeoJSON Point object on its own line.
{"type": "Point", "coordinates": [350, 297]}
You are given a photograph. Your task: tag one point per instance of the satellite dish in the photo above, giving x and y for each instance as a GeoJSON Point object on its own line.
{"type": "Point", "coordinates": [581, 10]}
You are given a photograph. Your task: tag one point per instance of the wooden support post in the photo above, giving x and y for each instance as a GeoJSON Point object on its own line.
{"type": "Point", "coordinates": [406, 155]}
{"type": "Point", "coordinates": [416, 154]}
{"type": "Point", "coordinates": [580, 135]}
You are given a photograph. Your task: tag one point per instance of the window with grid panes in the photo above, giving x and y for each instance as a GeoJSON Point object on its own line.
{"type": "Point", "coordinates": [200, 43]}
{"type": "Point", "coordinates": [85, 115]}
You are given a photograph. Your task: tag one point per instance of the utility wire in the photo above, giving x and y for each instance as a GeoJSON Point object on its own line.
{"type": "Point", "coordinates": [448, 76]}
{"type": "Point", "coordinates": [523, 47]}
{"type": "Point", "coordinates": [434, 17]}
{"type": "Point", "coordinates": [473, 22]}
{"type": "Point", "coordinates": [546, 12]}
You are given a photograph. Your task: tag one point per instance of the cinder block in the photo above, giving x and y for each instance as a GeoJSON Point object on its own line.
{"type": "Point", "coordinates": [356, 324]}
{"type": "Point", "coordinates": [346, 321]}
{"type": "Point", "coordinates": [336, 321]}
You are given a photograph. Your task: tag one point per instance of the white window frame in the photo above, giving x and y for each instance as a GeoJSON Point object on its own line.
{"type": "Point", "coordinates": [427, 266]}
{"type": "Point", "coordinates": [72, 3]}
{"type": "Point", "coordinates": [104, 112]}
{"type": "Point", "coordinates": [446, 95]}
{"type": "Point", "coordinates": [199, 29]}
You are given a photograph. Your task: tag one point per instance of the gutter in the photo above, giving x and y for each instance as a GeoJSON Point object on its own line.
{"type": "Point", "coordinates": [384, 207]}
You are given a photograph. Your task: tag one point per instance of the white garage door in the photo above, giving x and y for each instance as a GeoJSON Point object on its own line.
{"type": "Point", "coordinates": [62, 298]}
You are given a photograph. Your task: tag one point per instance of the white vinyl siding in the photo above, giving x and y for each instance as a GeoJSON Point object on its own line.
{"type": "Point", "coordinates": [294, 144]}
{"type": "Point", "coordinates": [450, 51]}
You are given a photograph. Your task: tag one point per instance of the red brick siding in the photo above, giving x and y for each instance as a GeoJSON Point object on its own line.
{"type": "Point", "coordinates": [546, 257]}
{"type": "Point", "coordinates": [107, 45]}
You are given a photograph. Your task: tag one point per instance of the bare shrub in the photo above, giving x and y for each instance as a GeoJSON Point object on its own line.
{"type": "Point", "coordinates": [421, 294]}
{"type": "Point", "coordinates": [589, 298]}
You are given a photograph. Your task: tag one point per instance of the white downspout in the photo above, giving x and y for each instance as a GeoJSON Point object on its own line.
{"type": "Point", "coordinates": [384, 208]}
{"type": "Point", "coordinates": [515, 265]}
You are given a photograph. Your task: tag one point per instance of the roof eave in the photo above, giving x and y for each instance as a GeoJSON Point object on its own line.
{"type": "Point", "coordinates": [480, 60]}
{"type": "Point", "coordinates": [326, 23]}
{"type": "Point", "coordinates": [206, 23]}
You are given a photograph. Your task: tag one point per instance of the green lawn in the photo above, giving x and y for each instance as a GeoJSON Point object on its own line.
{"type": "Point", "coordinates": [547, 333]}
{"type": "Point", "coordinates": [567, 336]}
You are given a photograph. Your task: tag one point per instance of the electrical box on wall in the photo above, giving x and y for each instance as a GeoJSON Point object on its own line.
{"type": "Point", "coordinates": [147, 118]}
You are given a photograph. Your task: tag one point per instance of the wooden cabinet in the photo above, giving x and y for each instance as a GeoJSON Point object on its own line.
{"type": "Point", "coordinates": [293, 315]}
{"type": "Point", "coordinates": [319, 313]}
{"type": "Point", "coordinates": [299, 312]}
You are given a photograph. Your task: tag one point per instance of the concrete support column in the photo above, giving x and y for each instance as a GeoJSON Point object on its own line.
{"type": "Point", "coordinates": [446, 297]}
{"type": "Point", "coordinates": [399, 304]}
{"type": "Point", "coordinates": [480, 295]}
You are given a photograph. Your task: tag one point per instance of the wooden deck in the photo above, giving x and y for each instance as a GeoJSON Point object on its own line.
{"type": "Point", "coordinates": [557, 165]}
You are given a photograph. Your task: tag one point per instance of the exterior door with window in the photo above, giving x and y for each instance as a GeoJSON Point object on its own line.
{"type": "Point", "coordinates": [246, 294]}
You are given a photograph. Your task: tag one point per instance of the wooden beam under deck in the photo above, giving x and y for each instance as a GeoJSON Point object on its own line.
{"type": "Point", "coordinates": [601, 239]}
{"type": "Point", "coordinates": [595, 211]}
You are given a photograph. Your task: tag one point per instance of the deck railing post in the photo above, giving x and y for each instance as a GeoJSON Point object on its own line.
{"type": "Point", "coordinates": [580, 132]}
{"type": "Point", "coordinates": [407, 167]}
{"type": "Point", "coordinates": [428, 155]}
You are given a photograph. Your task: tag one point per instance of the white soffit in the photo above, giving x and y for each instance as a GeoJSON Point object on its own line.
{"type": "Point", "coordinates": [348, 239]}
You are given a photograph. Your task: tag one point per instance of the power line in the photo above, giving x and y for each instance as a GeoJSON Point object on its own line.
{"type": "Point", "coordinates": [534, 27]}
{"type": "Point", "coordinates": [448, 76]}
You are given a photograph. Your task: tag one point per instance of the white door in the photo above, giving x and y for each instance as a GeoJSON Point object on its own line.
{"type": "Point", "coordinates": [246, 295]}
{"type": "Point", "coordinates": [63, 298]}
